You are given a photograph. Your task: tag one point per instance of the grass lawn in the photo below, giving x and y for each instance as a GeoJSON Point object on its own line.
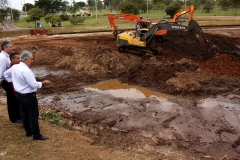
{"type": "Point", "coordinates": [100, 23]}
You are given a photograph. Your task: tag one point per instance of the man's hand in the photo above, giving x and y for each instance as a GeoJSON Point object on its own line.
{"type": "Point", "coordinates": [46, 83]}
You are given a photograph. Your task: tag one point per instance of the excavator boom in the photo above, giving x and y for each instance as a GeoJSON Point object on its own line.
{"type": "Point", "coordinates": [130, 17]}
{"type": "Point", "coordinates": [189, 10]}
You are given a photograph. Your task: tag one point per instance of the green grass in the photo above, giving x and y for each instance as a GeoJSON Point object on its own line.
{"type": "Point", "coordinates": [100, 23]}
{"type": "Point", "coordinates": [101, 19]}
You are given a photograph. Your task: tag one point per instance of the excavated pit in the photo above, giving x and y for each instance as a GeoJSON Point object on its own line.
{"type": "Point", "coordinates": [181, 104]}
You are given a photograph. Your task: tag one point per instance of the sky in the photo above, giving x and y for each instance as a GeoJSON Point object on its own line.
{"type": "Point", "coordinates": [17, 4]}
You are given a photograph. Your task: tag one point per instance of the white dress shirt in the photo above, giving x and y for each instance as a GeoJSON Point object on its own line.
{"type": "Point", "coordinates": [23, 78]}
{"type": "Point", "coordinates": [4, 63]}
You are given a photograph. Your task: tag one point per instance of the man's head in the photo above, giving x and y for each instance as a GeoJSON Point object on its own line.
{"type": "Point", "coordinates": [27, 58]}
{"type": "Point", "coordinates": [15, 58]}
{"type": "Point", "coordinates": [7, 46]}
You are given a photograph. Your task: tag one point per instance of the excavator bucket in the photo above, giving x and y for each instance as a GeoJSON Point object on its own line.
{"type": "Point", "coordinates": [213, 50]}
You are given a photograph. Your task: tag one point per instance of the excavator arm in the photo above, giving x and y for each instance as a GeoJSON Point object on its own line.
{"type": "Point", "coordinates": [189, 10]}
{"type": "Point", "coordinates": [192, 27]}
{"type": "Point", "coordinates": [112, 18]}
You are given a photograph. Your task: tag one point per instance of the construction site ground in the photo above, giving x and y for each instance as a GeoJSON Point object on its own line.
{"type": "Point", "coordinates": [180, 104]}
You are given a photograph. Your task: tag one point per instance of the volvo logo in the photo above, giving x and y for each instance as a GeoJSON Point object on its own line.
{"type": "Point", "coordinates": [178, 27]}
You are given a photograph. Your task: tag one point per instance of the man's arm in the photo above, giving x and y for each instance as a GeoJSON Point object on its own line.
{"type": "Point", "coordinates": [8, 75]}
{"type": "Point", "coordinates": [2, 68]}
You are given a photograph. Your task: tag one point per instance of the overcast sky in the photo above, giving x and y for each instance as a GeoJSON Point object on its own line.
{"type": "Point", "coordinates": [17, 4]}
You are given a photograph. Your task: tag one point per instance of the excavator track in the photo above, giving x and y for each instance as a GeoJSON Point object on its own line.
{"type": "Point", "coordinates": [138, 51]}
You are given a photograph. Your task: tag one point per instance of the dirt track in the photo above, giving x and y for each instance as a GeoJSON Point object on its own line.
{"type": "Point", "coordinates": [197, 115]}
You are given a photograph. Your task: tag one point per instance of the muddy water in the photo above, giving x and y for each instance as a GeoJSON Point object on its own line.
{"type": "Point", "coordinates": [117, 89]}
{"type": "Point", "coordinates": [211, 122]}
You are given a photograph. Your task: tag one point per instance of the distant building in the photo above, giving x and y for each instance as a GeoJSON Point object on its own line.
{"type": "Point", "coordinates": [22, 14]}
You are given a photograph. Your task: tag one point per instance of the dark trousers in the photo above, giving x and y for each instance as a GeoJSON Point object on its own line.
{"type": "Point", "coordinates": [30, 113]}
{"type": "Point", "coordinates": [13, 105]}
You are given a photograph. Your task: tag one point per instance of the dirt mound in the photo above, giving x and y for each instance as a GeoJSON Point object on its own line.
{"type": "Point", "coordinates": [221, 66]}
{"type": "Point", "coordinates": [38, 31]}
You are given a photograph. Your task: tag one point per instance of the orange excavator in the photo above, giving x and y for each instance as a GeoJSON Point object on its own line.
{"type": "Point", "coordinates": [145, 25]}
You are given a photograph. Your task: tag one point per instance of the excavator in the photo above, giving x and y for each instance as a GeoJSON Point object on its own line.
{"type": "Point", "coordinates": [160, 33]}
{"type": "Point", "coordinates": [144, 44]}
{"type": "Point", "coordinates": [145, 25]}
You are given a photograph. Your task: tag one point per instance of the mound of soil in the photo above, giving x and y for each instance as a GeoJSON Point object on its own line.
{"type": "Point", "coordinates": [38, 31]}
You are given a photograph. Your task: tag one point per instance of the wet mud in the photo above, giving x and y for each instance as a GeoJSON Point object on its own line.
{"type": "Point", "coordinates": [180, 104]}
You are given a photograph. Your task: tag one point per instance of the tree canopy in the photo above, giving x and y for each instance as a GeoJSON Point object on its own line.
{"type": "Point", "coordinates": [128, 7]}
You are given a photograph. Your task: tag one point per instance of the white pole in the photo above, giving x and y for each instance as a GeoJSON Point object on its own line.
{"type": "Point", "coordinates": [147, 9]}
{"type": "Point", "coordinates": [11, 11]}
{"type": "Point", "coordinates": [96, 10]}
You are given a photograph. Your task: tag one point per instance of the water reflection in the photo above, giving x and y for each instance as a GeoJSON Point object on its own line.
{"type": "Point", "coordinates": [117, 89]}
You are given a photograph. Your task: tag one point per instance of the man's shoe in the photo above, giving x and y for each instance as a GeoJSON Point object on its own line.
{"type": "Point", "coordinates": [40, 138]}
{"type": "Point", "coordinates": [17, 121]}
{"type": "Point", "coordinates": [28, 135]}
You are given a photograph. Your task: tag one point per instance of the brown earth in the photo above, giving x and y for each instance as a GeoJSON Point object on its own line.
{"type": "Point", "coordinates": [199, 119]}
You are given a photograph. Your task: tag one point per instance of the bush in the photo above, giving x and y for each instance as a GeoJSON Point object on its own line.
{"type": "Point", "coordinates": [64, 17]}
{"type": "Point", "coordinates": [173, 8]}
{"type": "Point", "coordinates": [53, 117]}
{"type": "Point", "coordinates": [76, 20]}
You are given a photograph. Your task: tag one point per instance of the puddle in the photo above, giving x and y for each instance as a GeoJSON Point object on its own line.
{"type": "Point", "coordinates": [117, 89]}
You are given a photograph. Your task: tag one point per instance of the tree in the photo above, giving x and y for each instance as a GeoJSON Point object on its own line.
{"type": "Point", "coordinates": [225, 4]}
{"type": "Point", "coordinates": [91, 3]}
{"type": "Point", "coordinates": [3, 4]}
{"type": "Point", "coordinates": [207, 6]}
{"type": "Point", "coordinates": [51, 6]}
{"type": "Point", "coordinates": [107, 3]}
{"type": "Point", "coordinates": [35, 14]}
{"type": "Point", "coordinates": [236, 4]}
{"type": "Point", "coordinates": [64, 17]}
{"type": "Point", "coordinates": [99, 5]}
{"type": "Point", "coordinates": [15, 13]}
{"type": "Point", "coordinates": [28, 19]}
{"type": "Point", "coordinates": [166, 2]}
{"type": "Point", "coordinates": [81, 4]}
{"type": "Point", "coordinates": [160, 6]}
{"type": "Point", "coordinates": [45, 6]}
{"type": "Point", "coordinates": [114, 5]}
{"type": "Point", "coordinates": [128, 7]}
{"type": "Point", "coordinates": [76, 20]}
{"type": "Point", "coordinates": [53, 19]}
{"type": "Point", "coordinates": [3, 14]}
{"type": "Point", "coordinates": [74, 7]}
{"type": "Point", "coordinates": [173, 8]}
{"type": "Point", "coordinates": [27, 6]}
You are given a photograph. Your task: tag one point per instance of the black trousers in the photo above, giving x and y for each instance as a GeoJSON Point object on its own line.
{"type": "Point", "coordinates": [30, 113]}
{"type": "Point", "coordinates": [13, 105]}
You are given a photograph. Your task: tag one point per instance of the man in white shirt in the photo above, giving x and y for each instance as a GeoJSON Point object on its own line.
{"type": "Point", "coordinates": [25, 85]}
{"type": "Point", "coordinates": [12, 103]}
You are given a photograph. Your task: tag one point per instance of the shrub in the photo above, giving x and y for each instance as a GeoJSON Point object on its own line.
{"type": "Point", "coordinates": [77, 20]}
{"type": "Point", "coordinates": [53, 117]}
